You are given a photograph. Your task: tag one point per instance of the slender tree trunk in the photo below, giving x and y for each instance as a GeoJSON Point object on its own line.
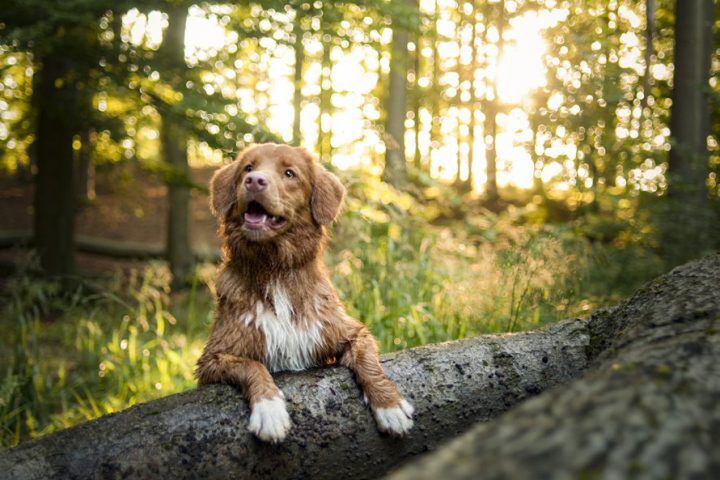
{"type": "Point", "coordinates": [297, 79]}
{"type": "Point", "coordinates": [687, 229]}
{"type": "Point", "coordinates": [491, 111]}
{"type": "Point", "coordinates": [460, 184]}
{"type": "Point", "coordinates": [325, 127]}
{"type": "Point", "coordinates": [85, 185]}
{"type": "Point", "coordinates": [649, 50]}
{"type": "Point", "coordinates": [490, 131]}
{"type": "Point", "coordinates": [174, 149]}
{"type": "Point", "coordinates": [54, 202]}
{"type": "Point", "coordinates": [437, 88]}
{"type": "Point", "coordinates": [417, 159]}
{"type": "Point", "coordinates": [538, 163]}
{"type": "Point", "coordinates": [473, 97]}
{"type": "Point", "coordinates": [395, 171]}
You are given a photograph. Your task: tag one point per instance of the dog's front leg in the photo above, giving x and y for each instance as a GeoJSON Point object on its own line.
{"type": "Point", "coordinates": [392, 412]}
{"type": "Point", "coordinates": [269, 419]}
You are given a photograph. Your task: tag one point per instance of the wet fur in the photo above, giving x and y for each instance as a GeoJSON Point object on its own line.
{"type": "Point", "coordinates": [276, 293]}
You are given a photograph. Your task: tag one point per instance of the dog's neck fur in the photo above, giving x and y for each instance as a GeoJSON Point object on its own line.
{"type": "Point", "coordinates": [294, 261]}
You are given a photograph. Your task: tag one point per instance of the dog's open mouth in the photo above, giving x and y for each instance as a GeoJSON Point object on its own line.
{"type": "Point", "coordinates": [257, 218]}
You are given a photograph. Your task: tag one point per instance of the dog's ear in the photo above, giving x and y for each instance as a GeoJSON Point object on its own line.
{"type": "Point", "coordinates": [327, 196]}
{"type": "Point", "coordinates": [223, 189]}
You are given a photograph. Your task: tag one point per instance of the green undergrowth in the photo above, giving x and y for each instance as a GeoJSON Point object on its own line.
{"type": "Point", "coordinates": [70, 357]}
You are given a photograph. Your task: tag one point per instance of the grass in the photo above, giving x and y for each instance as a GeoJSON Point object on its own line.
{"type": "Point", "coordinates": [71, 357]}
{"type": "Point", "coordinates": [104, 353]}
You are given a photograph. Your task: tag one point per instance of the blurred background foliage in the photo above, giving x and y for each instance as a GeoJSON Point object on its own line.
{"type": "Point", "coordinates": [510, 163]}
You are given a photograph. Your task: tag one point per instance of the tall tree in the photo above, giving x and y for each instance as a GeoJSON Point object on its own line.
{"type": "Point", "coordinates": [297, 75]}
{"type": "Point", "coordinates": [395, 171]}
{"type": "Point", "coordinates": [491, 107]}
{"type": "Point", "coordinates": [649, 50]}
{"type": "Point", "coordinates": [56, 101]}
{"type": "Point", "coordinates": [85, 181]}
{"type": "Point", "coordinates": [436, 92]}
{"type": "Point", "coordinates": [473, 93]}
{"type": "Point", "coordinates": [417, 102]}
{"type": "Point", "coordinates": [686, 233]}
{"type": "Point", "coordinates": [173, 138]}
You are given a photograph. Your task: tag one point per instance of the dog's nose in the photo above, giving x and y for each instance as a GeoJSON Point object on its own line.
{"type": "Point", "coordinates": [256, 182]}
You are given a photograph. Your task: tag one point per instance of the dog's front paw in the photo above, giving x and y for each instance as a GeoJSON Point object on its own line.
{"type": "Point", "coordinates": [395, 420]}
{"type": "Point", "coordinates": [269, 419]}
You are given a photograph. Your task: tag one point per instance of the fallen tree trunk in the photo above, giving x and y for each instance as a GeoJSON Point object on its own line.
{"type": "Point", "coordinates": [663, 342]}
{"type": "Point", "coordinates": [650, 408]}
{"type": "Point", "coordinates": [203, 433]}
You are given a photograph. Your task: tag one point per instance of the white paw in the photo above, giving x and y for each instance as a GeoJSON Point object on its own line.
{"type": "Point", "coordinates": [395, 420]}
{"type": "Point", "coordinates": [269, 419]}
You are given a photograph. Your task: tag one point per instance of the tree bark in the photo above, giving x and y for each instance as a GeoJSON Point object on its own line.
{"type": "Point", "coordinates": [688, 167]}
{"type": "Point", "coordinates": [647, 406]}
{"type": "Point", "coordinates": [174, 149]}
{"type": "Point", "coordinates": [648, 409]}
{"type": "Point", "coordinates": [395, 171]}
{"type": "Point", "coordinates": [297, 78]}
{"type": "Point", "coordinates": [54, 201]}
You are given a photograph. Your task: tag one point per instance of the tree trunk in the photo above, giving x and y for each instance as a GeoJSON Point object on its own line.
{"type": "Point", "coordinates": [459, 103]}
{"type": "Point", "coordinates": [85, 185]}
{"type": "Point", "coordinates": [538, 187]}
{"type": "Point", "coordinates": [490, 132]}
{"type": "Point", "coordinates": [436, 90]}
{"type": "Point", "coordinates": [686, 231]}
{"type": "Point", "coordinates": [54, 201]}
{"type": "Point", "coordinates": [473, 96]}
{"type": "Point", "coordinates": [417, 102]}
{"type": "Point", "coordinates": [174, 149]}
{"type": "Point", "coordinates": [649, 51]}
{"type": "Point", "coordinates": [648, 404]}
{"type": "Point", "coordinates": [324, 100]}
{"type": "Point", "coordinates": [648, 409]}
{"type": "Point", "coordinates": [491, 111]}
{"type": "Point", "coordinates": [395, 171]}
{"type": "Point", "coordinates": [297, 79]}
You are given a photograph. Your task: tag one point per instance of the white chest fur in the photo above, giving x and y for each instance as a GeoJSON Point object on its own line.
{"type": "Point", "coordinates": [289, 344]}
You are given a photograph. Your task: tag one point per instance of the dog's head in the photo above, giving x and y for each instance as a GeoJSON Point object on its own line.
{"type": "Point", "coordinates": [270, 190]}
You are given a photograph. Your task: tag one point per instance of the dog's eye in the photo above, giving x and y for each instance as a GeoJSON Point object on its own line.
{"type": "Point", "coordinates": [289, 173]}
{"type": "Point", "coordinates": [248, 168]}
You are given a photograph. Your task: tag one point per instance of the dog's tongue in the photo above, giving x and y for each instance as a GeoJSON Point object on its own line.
{"type": "Point", "coordinates": [256, 218]}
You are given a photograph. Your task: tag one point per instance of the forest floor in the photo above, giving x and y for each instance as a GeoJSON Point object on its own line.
{"type": "Point", "coordinates": [129, 205]}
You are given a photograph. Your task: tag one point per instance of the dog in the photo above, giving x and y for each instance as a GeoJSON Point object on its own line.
{"type": "Point", "coordinates": [276, 307]}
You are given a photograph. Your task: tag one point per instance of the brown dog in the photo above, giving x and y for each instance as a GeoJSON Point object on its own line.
{"type": "Point", "coordinates": [277, 309]}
